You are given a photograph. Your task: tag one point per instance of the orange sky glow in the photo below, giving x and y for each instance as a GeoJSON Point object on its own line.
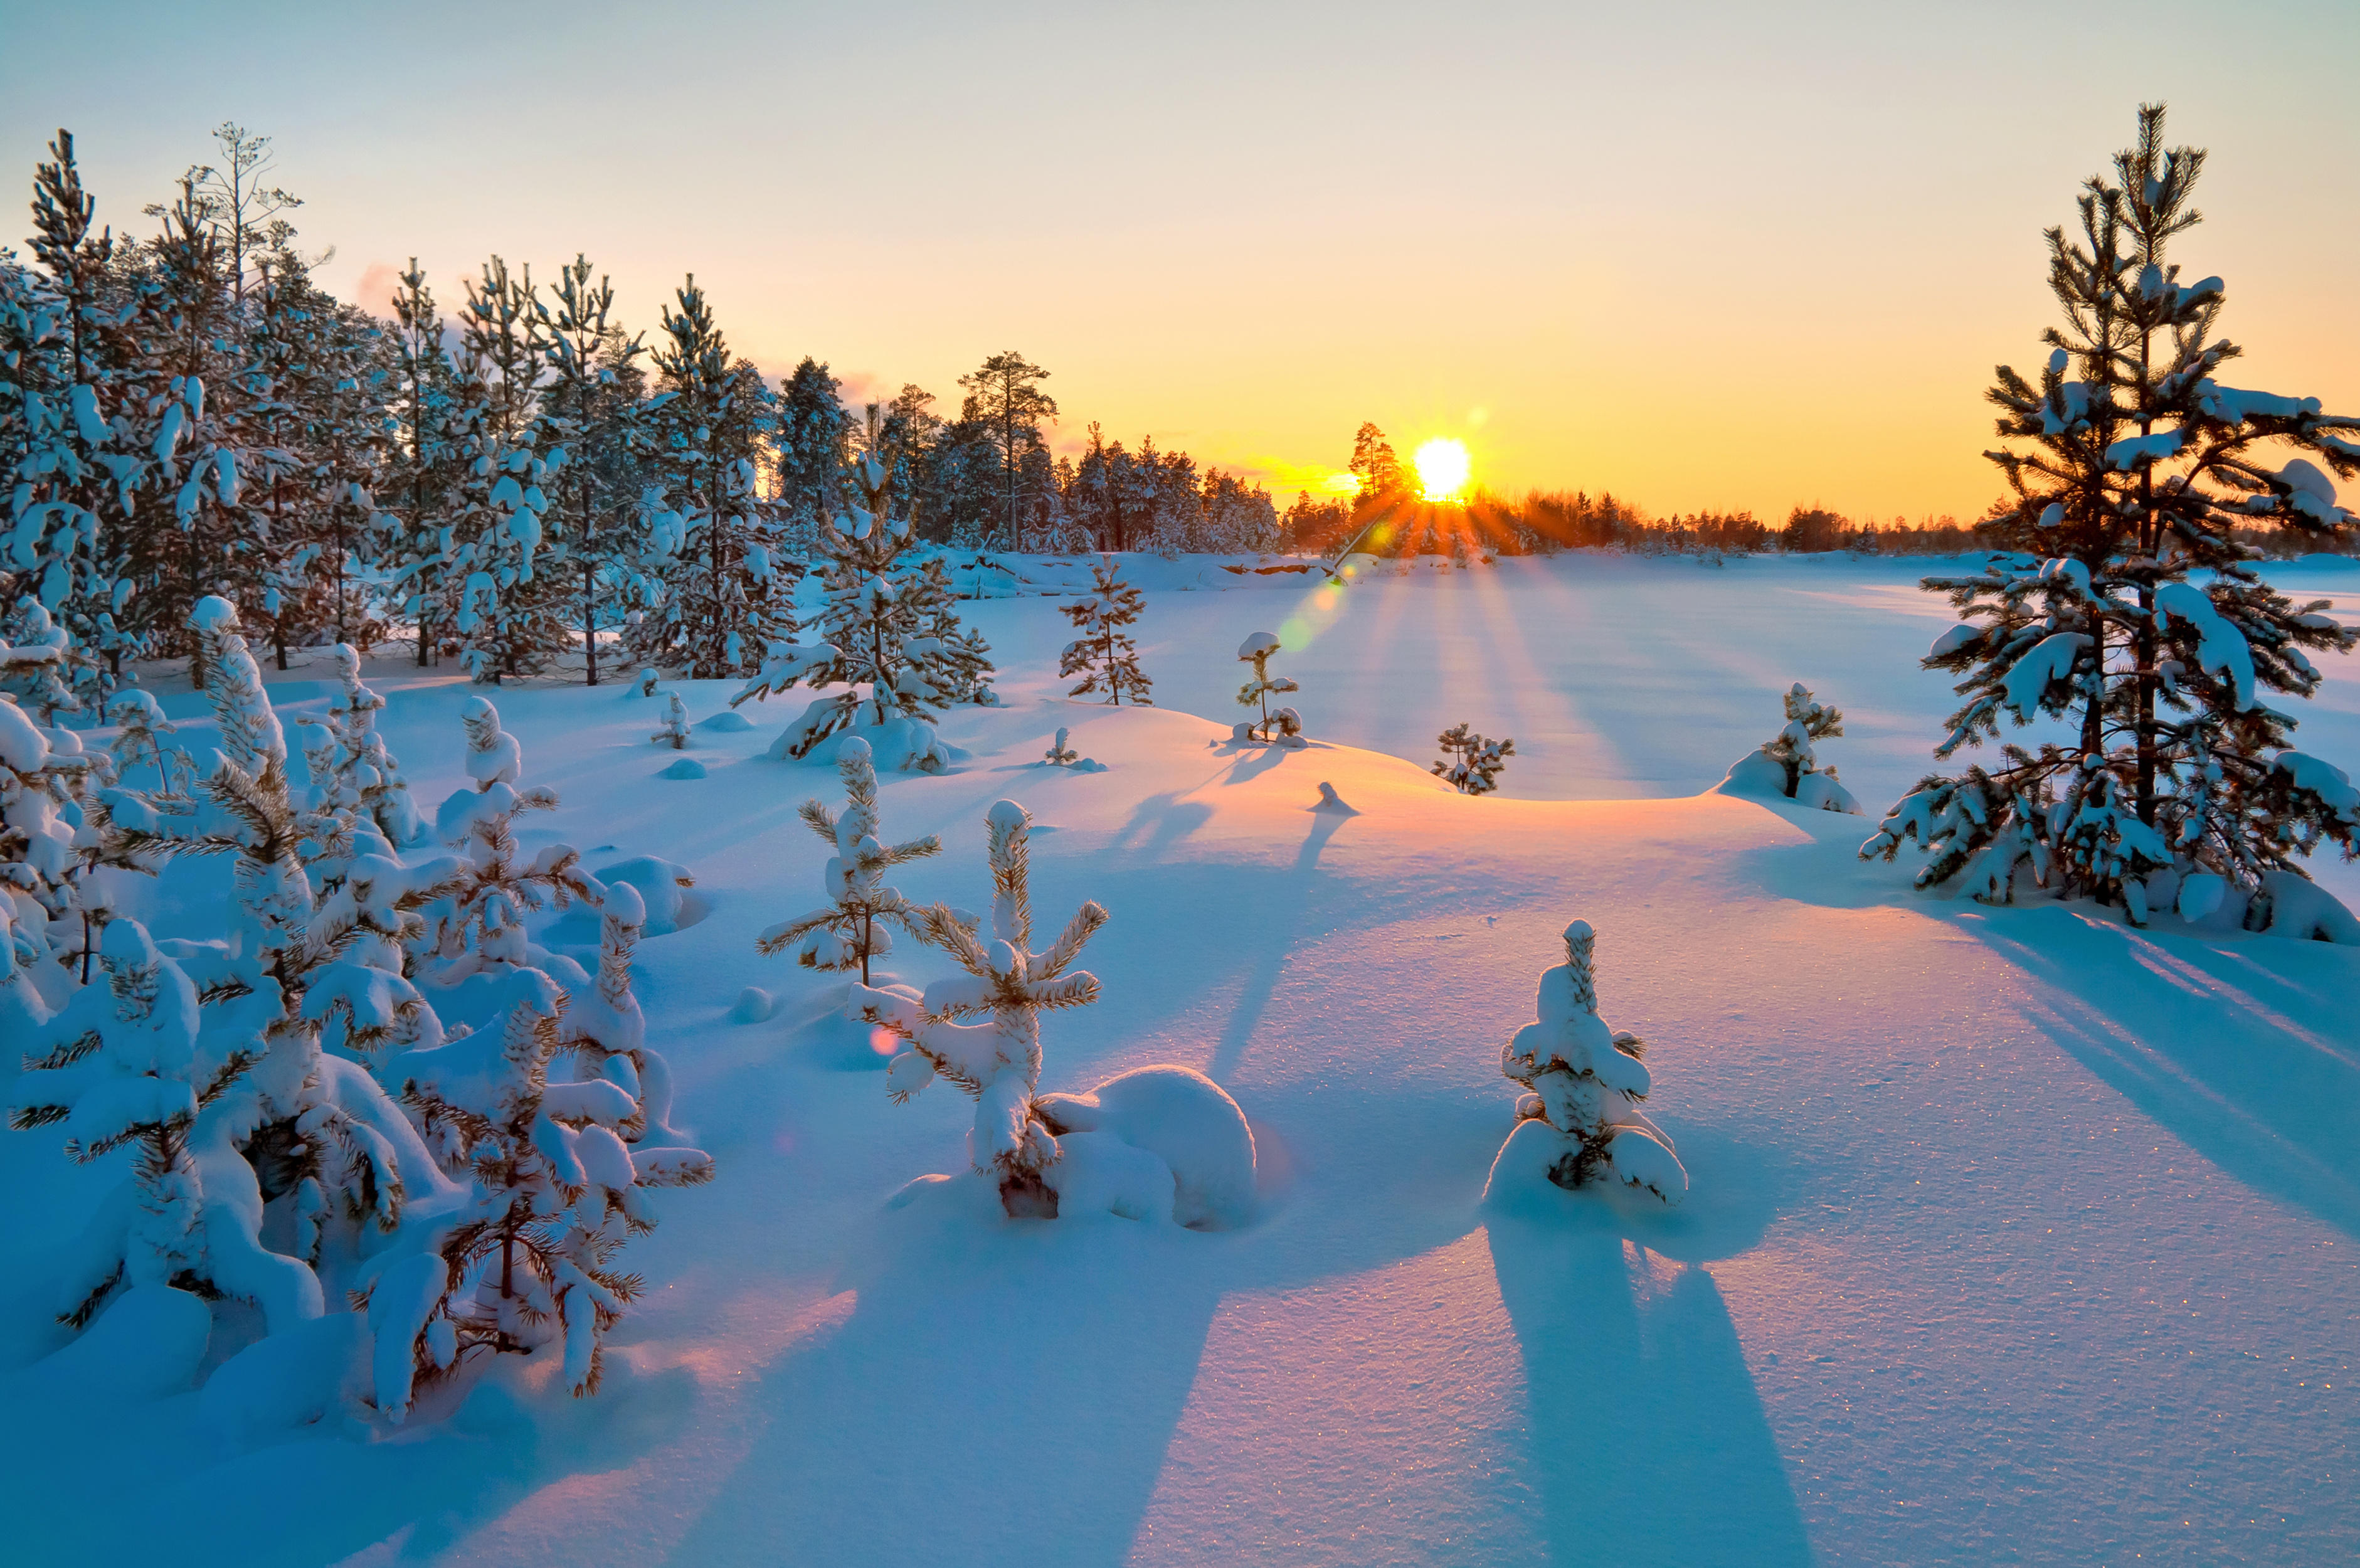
{"type": "Point", "coordinates": [1711, 256]}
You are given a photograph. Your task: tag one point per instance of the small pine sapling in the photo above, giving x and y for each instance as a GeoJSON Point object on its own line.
{"type": "Point", "coordinates": [648, 679]}
{"type": "Point", "coordinates": [1788, 765]}
{"type": "Point", "coordinates": [606, 1031]}
{"type": "Point", "coordinates": [1579, 1124]}
{"type": "Point", "coordinates": [674, 732]}
{"type": "Point", "coordinates": [1471, 764]}
{"type": "Point", "coordinates": [997, 1063]}
{"type": "Point", "coordinates": [124, 1062]}
{"type": "Point", "coordinates": [362, 762]}
{"type": "Point", "coordinates": [857, 925]}
{"type": "Point", "coordinates": [139, 722]}
{"type": "Point", "coordinates": [1059, 754]}
{"type": "Point", "coordinates": [1104, 655]}
{"type": "Point", "coordinates": [479, 926]}
{"type": "Point", "coordinates": [556, 1194]}
{"type": "Point", "coordinates": [1280, 727]}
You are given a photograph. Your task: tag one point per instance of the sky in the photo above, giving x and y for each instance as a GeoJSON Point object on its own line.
{"type": "Point", "coordinates": [1703, 256]}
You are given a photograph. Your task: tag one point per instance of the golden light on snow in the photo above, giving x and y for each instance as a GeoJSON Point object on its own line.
{"type": "Point", "coordinates": [1442, 468]}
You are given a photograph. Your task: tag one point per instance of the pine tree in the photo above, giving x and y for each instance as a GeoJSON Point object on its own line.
{"type": "Point", "coordinates": [556, 1194]}
{"type": "Point", "coordinates": [674, 730]}
{"type": "Point", "coordinates": [812, 448]}
{"type": "Point", "coordinates": [962, 666]}
{"type": "Point", "coordinates": [592, 408]}
{"type": "Point", "coordinates": [724, 591]}
{"type": "Point", "coordinates": [1579, 1124]}
{"type": "Point", "coordinates": [875, 641]}
{"type": "Point", "coordinates": [2131, 469]}
{"type": "Point", "coordinates": [1283, 728]}
{"type": "Point", "coordinates": [508, 613]}
{"type": "Point", "coordinates": [1789, 764]}
{"type": "Point", "coordinates": [1004, 399]}
{"type": "Point", "coordinates": [74, 383]}
{"type": "Point", "coordinates": [207, 543]}
{"type": "Point", "coordinates": [425, 468]}
{"type": "Point", "coordinates": [606, 1032]}
{"type": "Point", "coordinates": [1470, 763]}
{"type": "Point", "coordinates": [857, 925]}
{"type": "Point", "coordinates": [997, 1063]}
{"type": "Point", "coordinates": [1104, 655]}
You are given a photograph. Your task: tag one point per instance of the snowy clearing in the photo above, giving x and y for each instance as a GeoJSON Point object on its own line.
{"type": "Point", "coordinates": [2012, 1234]}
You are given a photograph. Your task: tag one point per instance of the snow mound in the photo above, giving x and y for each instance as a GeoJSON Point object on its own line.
{"type": "Point", "coordinates": [727, 721]}
{"type": "Point", "coordinates": [291, 1379]}
{"type": "Point", "coordinates": [661, 886]}
{"type": "Point", "coordinates": [754, 1007]}
{"type": "Point", "coordinates": [1199, 1153]}
{"type": "Point", "coordinates": [683, 768]}
{"type": "Point", "coordinates": [145, 1345]}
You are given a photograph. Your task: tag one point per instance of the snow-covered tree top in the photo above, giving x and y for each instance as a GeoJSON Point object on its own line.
{"type": "Point", "coordinates": [1259, 642]}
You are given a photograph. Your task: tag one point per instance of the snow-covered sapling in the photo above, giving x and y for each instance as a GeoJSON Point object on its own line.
{"type": "Point", "coordinates": [363, 765]}
{"type": "Point", "coordinates": [124, 1062]}
{"type": "Point", "coordinates": [1579, 1124]}
{"type": "Point", "coordinates": [139, 722]}
{"type": "Point", "coordinates": [1280, 727]}
{"type": "Point", "coordinates": [1787, 765]}
{"type": "Point", "coordinates": [1059, 754]}
{"type": "Point", "coordinates": [998, 1062]}
{"type": "Point", "coordinates": [1104, 655]}
{"type": "Point", "coordinates": [856, 926]}
{"type": "Point", "coordinates": [556, 1194]}
{"type": "Point", "coordinates": [648, 679]}
{"type": "Point", "coordinates": [674, 732]}
{"type": "Point", "coordinates": [1471, 764]}
{"type": "Point", "coordinates": [606, 1030]}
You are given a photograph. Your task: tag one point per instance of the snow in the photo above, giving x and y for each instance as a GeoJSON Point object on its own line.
{"type": "Point", "coordinates": [2012, 1233]}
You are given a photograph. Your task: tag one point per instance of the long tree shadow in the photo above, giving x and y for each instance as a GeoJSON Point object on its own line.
{"type": "Point", "coordinates": [1270, 958]}
{"type": "Point", "coordinates": [1650, 1444]}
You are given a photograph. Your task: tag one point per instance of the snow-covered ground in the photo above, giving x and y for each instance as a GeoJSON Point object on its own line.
{"type": "Point", "coordinates": [2014, 1235]}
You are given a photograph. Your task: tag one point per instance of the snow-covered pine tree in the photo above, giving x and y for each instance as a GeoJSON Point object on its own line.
{"type": "Point", "coordinates": [1283, 728]}
{"type": "Point", "coordinates": [606, 1030]}
{"type": "Point", "coordinates": [674, 723]}
{"type": "Point", "coordinates": [1104, 655]}
{"type": "Point", "coordinates": [39, 863]}
{"type": "Point", "coordinates": [1059, 754]}
{"type": "Point", "coordinates": [997, 1063]}
{"type": "Point", "coordinates": [962, 660]}
{"type": "Point", "coordinates": [726, 588]}
{"type": "Point", "coordinates": [207, 542]}
{"type": "Point", "coordinates": [509, 614]}
{"type": "Point", "coordinates": [139, 725]}
{"type": "Point", "coordinates": [812, 448]}
{"type": "Point", "coordinates": [1579, 1124]}
{"type": "Point", "coordinates": [1788, 765]}
{"type": "Point", "coordinates": [2132, 468]}
{"type": "Point", "coordinates": [36, 662]}
{"type": "Point", "coordinates": [125, 1062]}
{"type": "Point", "coordinates": [556, 1194]}
{"type": "Point", "coordinates": [857, 925]}
{"type": "Point", "coordinates": [362, 767]}
{"type": "Point", "coordinates": [314, 1129]}
{"type": "Point", "coordinates": [416, 545]}
{"type": "Point", "coordinates": [875, 641]}
{"type": "Point", "coordinates": [75, 382]}
{"type": "Point", "coordinates": [593, 407]}
{"type": "Point", "coordinates": [1470, 763]}
{"type": "Point", "coordinates": [478, 927]}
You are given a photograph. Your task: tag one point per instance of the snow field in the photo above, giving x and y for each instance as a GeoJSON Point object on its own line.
{"type": "Point", "coordinates": [2012, 1234]}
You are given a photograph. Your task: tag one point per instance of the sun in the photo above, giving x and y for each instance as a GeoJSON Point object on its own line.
{"type": "Point", "coordinates": [1442, 468]}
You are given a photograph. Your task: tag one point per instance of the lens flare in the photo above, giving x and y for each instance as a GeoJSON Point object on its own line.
{"type": "Point", "coordinates": [1442, 468]}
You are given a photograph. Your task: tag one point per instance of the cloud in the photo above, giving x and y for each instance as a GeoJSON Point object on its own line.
{"type": "Point", "coordinates": [375, 292]}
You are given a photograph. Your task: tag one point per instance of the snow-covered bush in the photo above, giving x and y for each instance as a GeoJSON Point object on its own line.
{"type": "Point", "coordinates": [39, 774]}
{"type": "Point", "coordinates": [37, 664]}
{"type": "Point", "coordinates": [1161, 1143]}
{"type": "Point", "coordinates": [1579, 1124]}
{"type": "Point", "coordinates": [140, 724]}
{"type": "Point", "coordinates": [556, 1192]}
{"type": "Point", "coordinates": [674, 722]}
{"type": "Point", "coordinates": [1104, 655]}
{"type": "Point", "coordinates": [1283, 727]}
{"type": "Point", "coordinates": [857, 925]}
{"type": "Point", "coordinates": [647, 686]}
{"type": "Point", "coordinates": [998, 1062]}
{"type": "Point", "coordinates": [1787, 765]}
{"type": "Point", "coordinates": [1471, 764]}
